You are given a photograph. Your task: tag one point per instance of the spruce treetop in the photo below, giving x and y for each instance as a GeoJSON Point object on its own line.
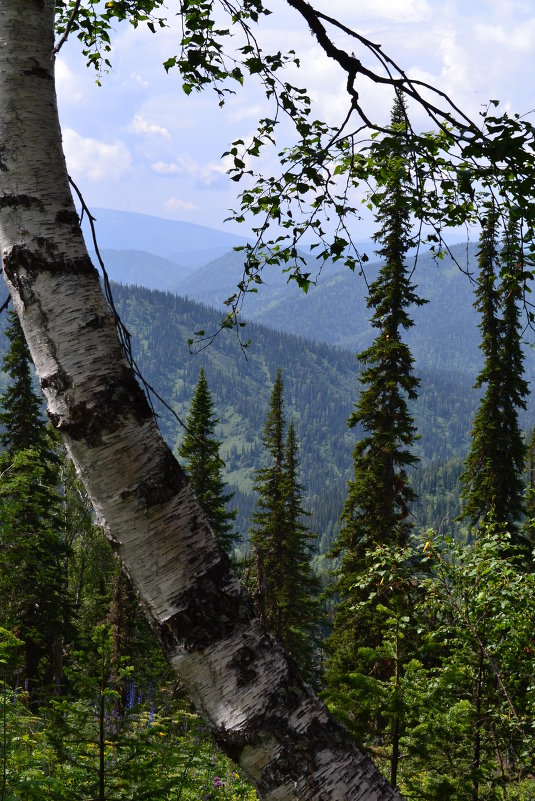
{"type": "Point", "coordinates": [200, 450]}
{"type": "Point", "coordinates": [20, 406]}
{"type": "Point", "coordinates": [493, 482]}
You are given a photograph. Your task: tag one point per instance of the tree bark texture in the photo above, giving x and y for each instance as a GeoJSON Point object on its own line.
{"type": "Point", "coordinates": [243, 685]}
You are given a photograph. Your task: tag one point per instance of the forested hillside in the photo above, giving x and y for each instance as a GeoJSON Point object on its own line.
{"type": "Point", "coordinates": [321, 387]}
{"type": "Point", "coordinates": [334, 310]}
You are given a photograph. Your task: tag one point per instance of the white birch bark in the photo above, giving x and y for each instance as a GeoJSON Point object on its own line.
{"type": "Point", "coordinates": [263, 716]}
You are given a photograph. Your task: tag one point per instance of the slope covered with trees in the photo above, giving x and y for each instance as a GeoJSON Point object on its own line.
{"type": "Point", "coordinates": [334, 309]}
{"type": "Point", "coordinates": [321, 383]}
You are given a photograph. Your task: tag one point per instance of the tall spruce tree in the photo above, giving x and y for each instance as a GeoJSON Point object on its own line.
{"type": "Point", "coordinates": [33, 594]}
{"type": "Point", "coordinates": [529, 524]}
{"type": "Point", "coordinates": [482, 479]}
{"type": "Point", "coordinates": [285, 588]}
{"type": "Point", "coordinates": [200, 450]}
{"type": "Point", "coordinates": [376, 511]}
{"type": "Point", "coordinates": [268, 519]}
{"type": "Point", "coordinates": [514, 387]}
{"type": "Point", "coordinates": [377, 505]}
{"type": "Point", "coordinates": [302, 612]}
{"type": "Point", "coordinates": [493, 476]}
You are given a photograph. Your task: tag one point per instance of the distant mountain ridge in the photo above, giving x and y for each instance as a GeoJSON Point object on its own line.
{"type": "Point", "coordinates": [186, 243]}
{"type": "Point", "coordinates": [139, 268]}
{"type": "Point", "coordinates": [445, 334]}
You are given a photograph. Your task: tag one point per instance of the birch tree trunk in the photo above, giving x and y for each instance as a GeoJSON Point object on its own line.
{"type": "Point", "coordinates": [241, 682]}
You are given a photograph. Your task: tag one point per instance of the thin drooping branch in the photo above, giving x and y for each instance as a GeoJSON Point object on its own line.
{"type": "Point", "coordinates": [124, 334]}
{"type": "Point", "coordinates": [68, 28]}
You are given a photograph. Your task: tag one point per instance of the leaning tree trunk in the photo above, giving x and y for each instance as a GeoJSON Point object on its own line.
{"type": "Point", "coordinates": [262, 715]}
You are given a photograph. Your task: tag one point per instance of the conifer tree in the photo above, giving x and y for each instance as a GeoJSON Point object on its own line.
{"type": "Point", "coordinates": [514, 387]}
{"type": "Point", "coordinates": [493, 476]}
{"type": "Point", "coordinates": [376, 511]}
{"type": "Point", "coordinates": [269, 516]}
{"type": "Point", "coordinates": [33, 595]}
{"type": "Point", "coordinates": [377, 505]}
{"type": "Point", "coordinates": [20, 412]}
{"type": "Point", "coordinates": [285, 589]}
{"type": "Point", "coordinates": [302, 610]}
{"type": "Point", "coordinates": [530, 489]}
{"type": "Point", "coordinates": [200, 449]}
{"type": "Point", "coordinates": [482, 479]}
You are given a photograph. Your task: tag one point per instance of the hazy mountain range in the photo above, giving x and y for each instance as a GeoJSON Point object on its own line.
{"type": "Point", "coordinates": [184, 243]}
{"type": "Point", "coordinates": [445, 334]}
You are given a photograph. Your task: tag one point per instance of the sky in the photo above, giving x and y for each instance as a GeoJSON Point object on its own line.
{"type": "Point", "coordinates": [138, 143]}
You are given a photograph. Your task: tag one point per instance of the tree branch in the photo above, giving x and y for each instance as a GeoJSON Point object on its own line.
{"type": "Point", "coordinates": [68, 29]}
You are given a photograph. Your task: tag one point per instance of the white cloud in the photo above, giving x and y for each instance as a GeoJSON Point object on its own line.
{"type": "Point", "coordinates": [391, 10]}
{"type": "Point", "coordinates": [165, 168]}
{"type": "Point", "coordinates": [67, 84]}
{"type": "Point", "coordinates": [206, 175]}
{"type": "Point", "coordinates": [509, 37]}
{"type": "Point", "coordinates": [212, 173]}
{"type": "Point", "coordinates": [454, 61]}
{"type": "Point", "coordinates": [139, 79]}
{"type": "Point", "coordinates": [246, 111]}
{"type": "Point", "coordinates": [177, 203]}
{"type": "Point", "coordinates": [140, 125]}
{"type": "Point", "coordinates": [93, 159]}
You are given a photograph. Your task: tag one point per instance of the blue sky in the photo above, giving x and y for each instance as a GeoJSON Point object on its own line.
{"type": "Point", "coordinates": [137, 143]}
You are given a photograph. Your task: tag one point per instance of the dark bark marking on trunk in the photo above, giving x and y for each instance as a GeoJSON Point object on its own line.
{"type": "Point", "coordinates": [121, 395]}
{"type": "Point", "coordinates": [3, 166]}
{"type": "Point", "coordinates": [194, 627]}
{"type": "Point", "coordinates": [14, 201]}
{"type": "Point", "coordinates": [34, 263]}
{"type": "Point", "coordinates": [166, 479]}
{"type": "Point", "coordinates": [68, 217]}
{"type": "Point", "coordinates": [95, 323]}
{"type": "Point", "coordinates": [38, 72]}
{"type": "Point", "coordinates": [58, 381]}
{"type": "Point", "coordinates": [243, 663]}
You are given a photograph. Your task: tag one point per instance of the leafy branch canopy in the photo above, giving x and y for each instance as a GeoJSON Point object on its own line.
{"type": "Point", "coordinates": [329, 174]}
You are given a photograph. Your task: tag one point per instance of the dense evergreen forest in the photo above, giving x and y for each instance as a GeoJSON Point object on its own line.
{"type": "Point", "coordinates": [321, 386]}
